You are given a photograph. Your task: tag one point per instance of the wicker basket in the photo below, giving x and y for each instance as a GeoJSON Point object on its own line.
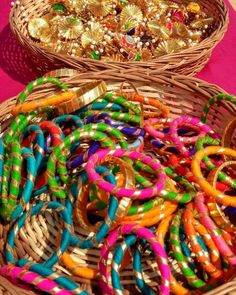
{"type": "Point", "coordinates": [187, 62]}
{"type": "Point", "coordinates": [7, 288]}
{"type": "Point", "coordinates": [182, 94]}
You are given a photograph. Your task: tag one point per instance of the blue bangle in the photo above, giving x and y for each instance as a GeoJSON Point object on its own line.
{"type": "Point", "coordinates": [66, 232]}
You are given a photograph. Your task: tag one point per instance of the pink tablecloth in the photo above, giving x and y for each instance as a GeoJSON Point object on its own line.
{"type": "Point", "coordinates": [17, 68]}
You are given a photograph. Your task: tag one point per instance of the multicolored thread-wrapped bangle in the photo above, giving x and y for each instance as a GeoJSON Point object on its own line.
{"type": "Point", "coordinates": [214, 231]}
{"type": "Point", "coordinates": [124, 192]}
{"type": "Point", "coordinates": [66, 232]}
{"type": "Point", "coordinates": [195, 245]}
{"type": "Point", "coordinates": [141, 232]}
{"type": "Point", "coordinates": [190, 275]}
{"type": "Point", "coordinates": [203, 183]}
{"type": "Point", "coordinates": [59, 279]}
{"type": "Point", "coordinates": [18, 275]}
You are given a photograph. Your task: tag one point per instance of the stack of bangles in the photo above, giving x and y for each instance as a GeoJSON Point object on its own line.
{"type": "Point", "coordinates": [148, 191]}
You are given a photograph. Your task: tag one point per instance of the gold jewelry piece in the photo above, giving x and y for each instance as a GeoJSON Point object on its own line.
{"type": "Point", "coordinates": [85, 95]}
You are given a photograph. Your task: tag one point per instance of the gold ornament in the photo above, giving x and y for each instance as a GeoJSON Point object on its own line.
{"type": "Point", "coordinates": [100, 7]}
{"type": "Point", "coordinates": [76, 5]}
{"type": "Point", "coordinates": [201, 23]}
{"type": "Point", "coordinates": [93, 36]}
{"type": "Point", "coordinates": [46, 36]}
{"type": "Point", "coordinates": [69, 47]}
{"type": "Point", "coordinates": [131, 14]}
{"type": "Point", "coordinates": [193, 7]}
{"type": "Point", "coordinates": [70, 28]}
{"type": "Point", "coordinates": [169, 46]}
{"type": "Point", "coordinates": [158, 30]}
{"type": "Point", "coordinates": [36, 26]}
{"type": "Point", "coordinates": [180, 30]}
{"type": "Point", "coordinates": [143, 5]}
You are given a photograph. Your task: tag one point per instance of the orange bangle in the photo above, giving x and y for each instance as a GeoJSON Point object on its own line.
{"type": "Point", "coordinates": [195, 246]}
{"type": "Point", "coordinates": [217, 195]}
{"type": "Point", "coordinates": [214, 252]}
{"type": "Point", "coordinates": [135, 96]}
{"type": "Point", "coordinates": [45, 102]}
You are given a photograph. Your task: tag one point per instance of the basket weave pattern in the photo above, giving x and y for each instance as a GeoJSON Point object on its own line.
{"type": "Point", "coordinates": [184, 95]}
{"type": "Point", "coordinates": [188, 61]}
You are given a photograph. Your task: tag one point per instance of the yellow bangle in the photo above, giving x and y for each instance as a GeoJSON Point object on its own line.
{"type": "Point", "coordinates": [203, 183]}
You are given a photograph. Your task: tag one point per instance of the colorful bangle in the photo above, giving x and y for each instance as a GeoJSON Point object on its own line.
{"type": "Point", "coordinates": [62, 169]}
{"type": "Point", "coordinates": [56, 135]}
{"type": "Point", "coordinates": [48, 273]}
{"type": "Point", "coordinates": [190, 275]}
{"type": "Point", "coordinates": [215, 211]}
{"type": "Point", "coordinates": [64, 120]}
{"type": "Point", "coordinates": [18, 275]}
{"type": "Point", "coordinates": [203, 183]}
{"type": "Point", "coordinates": [124, 192]}
{"type": "Point", "coordinates": [134, 96]}
{"type": "Point", "coordinates": [195, 245]}
{"type": "Point", "coordinates": [215, 233]}
{"type": "Point", "coordinates": [137, 266]}
{"type": "Point", "coordinates": [57, 157]}
{"type": "Point", "coordinates": [28, 186]}
{"type": "Point", "coordinates": [203, 129]}
{"type": "Point", "coordinates": [124, 203]}
{"type": "Point", "coordinates": [10, 193]}
{"type": "Point", "coordinates": [161, 233]}
{"type": "Point", "coordinates": [112, 213]}
{"type": "Point", "coordinates": [213, 250]}
{"type": "Point", "coordinates": [35, 141]}
{"type": "Point", "coordinates": [141, 232]}
{"type": "Point", "coordinates": [41, 207]}
{"type": "Point", "coordinates": [210, 165]}
{"type": "Point", "coordinates": [42, 103]}
{"type": "Point", "coordinates": [118, 116]}
{"type": "Point", "coordinates": [217, 98]}
{"type": "Point", "coordinates": [111, 97]}
{"type": "Point", "coordinates": [85, 95]}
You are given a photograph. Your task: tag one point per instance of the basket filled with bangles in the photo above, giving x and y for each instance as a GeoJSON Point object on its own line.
{"type": "Point", "coordinates": [121, 34]}
{"type": "Point", "coordinates": [118, 186]}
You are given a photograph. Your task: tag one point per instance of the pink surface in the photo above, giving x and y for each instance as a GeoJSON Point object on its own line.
{"type": "Point", "coordinates": [17, 68]}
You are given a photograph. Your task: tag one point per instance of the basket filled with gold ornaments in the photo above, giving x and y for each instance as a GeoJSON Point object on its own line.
{"type": "Point", "coordinates": [126, 34]}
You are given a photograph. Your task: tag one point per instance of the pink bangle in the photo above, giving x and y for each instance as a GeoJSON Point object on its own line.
{"type": "Point", "coordinates": [202, 128]}
{"type": "Point", "coordinates": [153, 132]}
{"type": "Point", "coordinates": [141, 232]}
{"type": "Point", "coordinates": [215, 232]}
{"type": "Point", "coordinates": [126, 192]}
{"type": "Point", "coordinates": [23, 278]}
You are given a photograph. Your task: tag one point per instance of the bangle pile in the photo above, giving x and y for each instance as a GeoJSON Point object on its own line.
{"type": "Point", "coordinates": [143, 186]}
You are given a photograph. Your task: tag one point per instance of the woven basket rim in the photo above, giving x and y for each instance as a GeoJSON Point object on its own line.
{"type": "Point", "coordinates": [169, 61]}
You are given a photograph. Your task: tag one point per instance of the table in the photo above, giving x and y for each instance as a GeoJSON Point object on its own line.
{"type": "Point", "coordinates": [17, 68]}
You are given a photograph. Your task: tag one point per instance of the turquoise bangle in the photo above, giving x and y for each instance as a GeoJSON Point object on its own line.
{"type": "Point", "coordinates": [41, 207]}
{"type": "Point", "coordinates": [31, 168]}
